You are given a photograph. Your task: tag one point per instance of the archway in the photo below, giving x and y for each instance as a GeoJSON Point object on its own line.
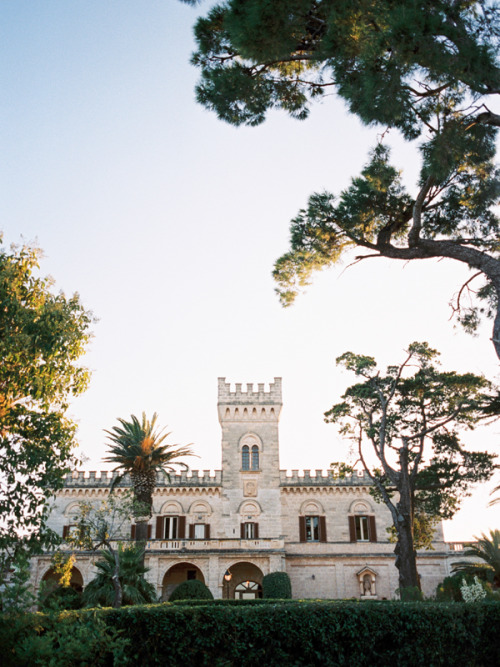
{"type": "Point", "coordinates": [176, 575]}
{"type": "Point", "coordinates": [245, 582]}
{"type": "Point", "coordinates": [51, 579]}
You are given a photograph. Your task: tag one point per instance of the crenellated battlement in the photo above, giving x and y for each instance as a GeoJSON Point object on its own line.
{"type": "Point", "coordinates": [250, 396]}
{"type": "Point", "coordinates": [85, 479]}
{"type": "Point", "coordinates": [323, 478]}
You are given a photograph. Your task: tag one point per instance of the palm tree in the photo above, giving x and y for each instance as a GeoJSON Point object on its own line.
{"type": "Point", "coordinates": [495, 500]}
{"type": "Point", "coordinates": [135, 588]}
{"type": "Point", "coordinates": [486, 549]}
{"type": "Point", "coordinates": [138, 450]}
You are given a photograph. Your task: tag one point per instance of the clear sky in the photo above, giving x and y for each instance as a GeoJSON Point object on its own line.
{"type": "Point", "coordinates": [168, 222]}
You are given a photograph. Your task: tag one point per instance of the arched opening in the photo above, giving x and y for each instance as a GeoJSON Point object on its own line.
{"type": "Point", "coordinates": [245, 582]}
{"type": "Point", "coordinates": [51, 580]}
{"type": "Point", "coordinates": [248, 590]}
{"type": "Point", "coordinates": [176, 575]}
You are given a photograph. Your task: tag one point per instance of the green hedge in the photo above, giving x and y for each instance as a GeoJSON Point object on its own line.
{"type": "Point", "coordinates": [330, 634]}
{"type": "Point", "coordinates": [277, 585]}
{"type": "Point", "coordinates": [191, 590]}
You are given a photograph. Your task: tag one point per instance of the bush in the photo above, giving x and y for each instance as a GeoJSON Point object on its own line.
{"type": "Point", "coordinates": [299, 634]}
{"type": "Point", "coordinates": [450, 589]}
{"type": "Point", "coordinates": [66, 639]}
{"type": "Point", "coordinates": [61, 598]}
{"type": "Point", "coordinates": [191, 590]}
{"type": "Point", "coordinates": [277, 585]}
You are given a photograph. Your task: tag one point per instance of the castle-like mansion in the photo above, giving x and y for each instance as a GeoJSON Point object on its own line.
{"type": "Point", "coordinates": [252, 518]}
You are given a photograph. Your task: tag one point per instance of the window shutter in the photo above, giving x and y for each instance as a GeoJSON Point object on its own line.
{"type": "Point", "coordinates": [372, 528]}
{"type": "Point", "coordinates": [322, 529]}
{"type": "Point", "coordinates": [191, 531]}
{"type": "Point", "coordinates": [302, 528]}
{"type": "Point", "coordinates": [207, 531]}
{"type": "Point", "coordinates": [160, 527]}
{"type": "Point", "coordinates": [182, 528]}
{"type": "Point", "coordinates": [150, 530]}
{"type": "Point", "coordinates": [132, 531]}
{"type": "Point", "coordinates": [65, 531]}
{"type": "Point", "coordinates": [242, 531]}
{"type": "Point", "coordinates": [352, 529]}
{"type": "Point", "coordinates": [256, 531]}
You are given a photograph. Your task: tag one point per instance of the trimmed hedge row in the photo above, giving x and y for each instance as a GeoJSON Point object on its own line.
{"type": "Point", "coordinates": [330, 634]}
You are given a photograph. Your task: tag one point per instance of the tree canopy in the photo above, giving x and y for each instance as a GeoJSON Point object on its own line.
{"type": "Point", "coordinates": [406, 425]}
{"type": "Point", "coordinates": [42, 337]}
{"type": "Point", "coordinates": [427, 69]}
{"type": "Point", "coordinates": [140, 450]}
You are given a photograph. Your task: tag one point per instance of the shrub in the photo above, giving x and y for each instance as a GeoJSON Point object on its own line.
{"type": "Point", "coordinates": [191, 590]}
{"type": "Point", "coordinates": [324, 634]}
{"type": "Point", "coordinates": [61, 598]}
{"type": "Point", "coordinates": [277, 585]}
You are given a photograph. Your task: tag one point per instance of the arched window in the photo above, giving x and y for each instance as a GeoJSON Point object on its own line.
{"type": "Point", "coordinates": [245, 457]}
{"type": "Point", "coordinates": [255, 457]}
{"type": "Point", "coordinates": [248, 590]}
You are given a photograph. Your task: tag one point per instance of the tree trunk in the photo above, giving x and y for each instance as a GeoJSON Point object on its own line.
{"type": "Point", "coordinates": [141, 531]}
{"type": "Point", "coordinates": [117, 602]}
{"type": "Point", "coordinates": [406, 556]}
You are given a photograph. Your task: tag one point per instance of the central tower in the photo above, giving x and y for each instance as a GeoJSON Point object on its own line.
{"type": "Point", "coordinates": [250, 457]}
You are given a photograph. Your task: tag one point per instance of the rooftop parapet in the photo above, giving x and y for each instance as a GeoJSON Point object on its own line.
{"type": "Point", "coordinates": [323, 478]}
{"type": "Point", "coordinates": [83, 479]}
{"type": "Point", "coordinates": [249, 395]}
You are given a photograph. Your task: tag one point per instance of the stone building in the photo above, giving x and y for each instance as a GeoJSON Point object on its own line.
{"type": "Point", "coordinates": [251, 518]}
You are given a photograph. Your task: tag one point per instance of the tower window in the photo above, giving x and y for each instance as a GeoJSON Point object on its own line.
{"type": "Point", "coordinates": [255, 457]}
{"type": "Point", "coordinates": [245, 457]}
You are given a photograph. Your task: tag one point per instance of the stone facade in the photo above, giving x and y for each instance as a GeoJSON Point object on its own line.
{"type": "Point", "coordinates": [252, 518]}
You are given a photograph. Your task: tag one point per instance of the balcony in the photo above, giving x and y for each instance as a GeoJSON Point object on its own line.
{"type": "Point", "coordinates": [225, 544]}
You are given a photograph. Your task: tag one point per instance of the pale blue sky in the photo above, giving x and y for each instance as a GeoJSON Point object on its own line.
{"type": "Point", "coordinates": [167, 222]}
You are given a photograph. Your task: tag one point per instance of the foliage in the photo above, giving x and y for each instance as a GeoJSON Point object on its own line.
{"type": "Point", "coordinates": [60, 598]}
{"type": "Point", "coordinates": [99, 528]}
{"type": "Point", "coordinates": [411, 420]}
{"type": "Point", "coordinates": [15, 590]}
{"type": "Point", "coordinates": [138, 450]}
{"type": "Point", "coordinates": [424, 527]}
{"type": "Point", "coordinates": [449, 590]}
{"type": "Point", "coordinates": [487, 550]}
{"type": "Point", "coordinates": [427, 69]}
{"type": "Point", "coordinates": [277, 585]}
{"type": "Point", "coordinates": [192, 589]}
{"type": "Point", "coordinates": [336, 634]}
{"type": "Point", "coordinates": [135, 588]}
{"type": "Point", "coordinates": [64, 640]}
{"type": "Point", "coordinates": [473, 592]}
{"type": "Point", "coordinates": [42, 337]}
{"type": "Point", "coordinates": [495, 500]}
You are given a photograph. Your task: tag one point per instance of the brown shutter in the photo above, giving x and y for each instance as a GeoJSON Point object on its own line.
{"type": "Point", "coordinates": [150, 530]}
{"type": "Point", "coordinates": [191, 531]}
{"type": "Point", "coordinates": [207, 531]}
{"type": "Point", "coordinates": [352, 529]}
{"type": "Point", "coordinates": [182, 528]}
{"type": "Point", "coordinates": [372, 529]}
{"type": "Point", "coordinates": [322, 529]}
{"type": "Point", "coordinates": [132, 531]}
{"type": "Point", "coordinates": [242, 531]}
{"type": "Point", "coordinates": [65, 531]}
{"type": "Point", "coordinates": [256, 531]}
{"type": "Point", "coordinates": [302, 528]}
{"type": "Point", "coordinates": [160, 527]}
